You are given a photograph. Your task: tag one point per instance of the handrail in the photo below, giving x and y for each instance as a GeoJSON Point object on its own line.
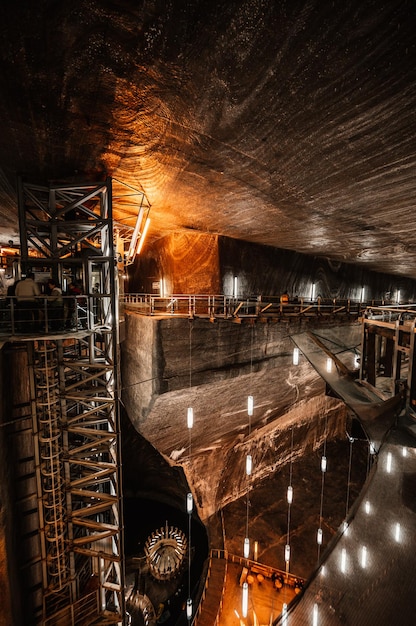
{"type": "Point", "coordinates": [400, 313]}
{"type": "Point", "coordinates": [222, 554]}
{"type": "Point", "coordinates": [227, 307]}
{"type": "Point", "coordinates": [76, 613]}
{"type": "Point", "coordinates": [42, 315]}
{"type": "Point", "coordinates": [88, 311]}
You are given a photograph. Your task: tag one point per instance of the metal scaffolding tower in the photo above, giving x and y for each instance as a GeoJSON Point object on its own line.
{"type": "Point", "coordinates": [74, 388]}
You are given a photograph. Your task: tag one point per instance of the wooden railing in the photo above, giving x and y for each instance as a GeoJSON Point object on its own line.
{"type": "Point", "coordinates": [254, 566]}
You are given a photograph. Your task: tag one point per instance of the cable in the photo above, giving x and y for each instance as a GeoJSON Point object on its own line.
{"type": "Point", "coordinates": [323, 472]}
{"type": "Point", "coordinates": [289, 504]}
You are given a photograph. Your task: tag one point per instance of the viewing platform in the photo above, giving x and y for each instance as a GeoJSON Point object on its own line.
{"type": "Point", "coordinates": [38, 318]}
{"type": "Point", "coordinates": [236, 309]}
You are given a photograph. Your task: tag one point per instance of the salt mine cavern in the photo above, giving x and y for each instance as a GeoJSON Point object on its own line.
{"type": "Point", "coordinates": [207, 313]}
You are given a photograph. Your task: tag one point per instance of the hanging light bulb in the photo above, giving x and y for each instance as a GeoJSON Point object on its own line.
{"type": "Point", "coordinates": [315, 615]}
{"type": "Point", "coordinates": [363, 557]}
{"type": "Point", "coordinates": [290, 494]}
{"type": "Point", "coordinates": [189, 503]}
{"type": "Point", "coordinates": [246, 550]}
{"type": "Point", "coordinates": [189, 608]}
{"type": "Point", "coordinates": [244, 604]}
{"type": "Point", "coordinates": [284, 614]}
{"type": "Point", "coordinates": [235, 287]}
{"type": "Point", "coordinates": [388, 463]}
{"type": "Point", "coordinates": [404, 451]}
{"type": "Point", "coordinates": [250, 405]}
{"type": "Point", "coordinates": [323, 464]}
{"type": "Point", "coordinates": [319, 537]}
{"type": "Point", "coordinates": [295, 356]}
{"type": "Point", "coordinates": [143, 236]}
{"type": "Point", "coordinates": [367, 506]}
{"type": "Point", "coordinates": [287, 553]}
{"type": "Point", "coordinates": [190, 417]}
{"type": "Point", "coordinates": [329, 365]}
{"type": "Point", "coordinates": [249, 464]}
{"type": "Point", "coordinates": [397, 531]}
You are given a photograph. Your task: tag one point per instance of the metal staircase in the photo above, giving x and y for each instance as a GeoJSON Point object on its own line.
{"type": "Point", "coordinates": [74, 398]}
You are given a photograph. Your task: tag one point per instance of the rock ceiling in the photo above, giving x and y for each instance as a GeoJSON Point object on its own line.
{"type": "Point", "coordinates": [290, 123]}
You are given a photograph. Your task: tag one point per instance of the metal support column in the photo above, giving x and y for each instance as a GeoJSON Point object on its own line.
{"type": "Point", "coordinates": [75, 382]}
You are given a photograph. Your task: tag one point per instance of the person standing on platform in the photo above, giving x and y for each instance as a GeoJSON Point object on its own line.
{"type": "Point", "coordinates": [74, 290]}
{"type": "Point", "coordinates": [284, 298]}
{"type": "Point", "coordinates": [27, 307]}
{"type": "Point", "coordinates": [55, 307]}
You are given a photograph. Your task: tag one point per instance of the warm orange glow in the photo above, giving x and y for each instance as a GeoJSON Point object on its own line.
{"type": "Point", "coordinates": [135, 235]}
{"type": "Point", "coordinates": [142, 238]}
{"type": "Point", "coordinates": [9, 251]}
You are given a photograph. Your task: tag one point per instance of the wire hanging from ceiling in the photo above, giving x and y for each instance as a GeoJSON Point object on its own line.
{"type": "Point", "coordinates": [319, 535]}
{"type": "Point", "coordinates": [189, 497]}
{"type": "Point", "coordinates": [190, 413]}
{"type": "Point", "coordinates": [249, 458]}
{"type": "Point", "coordinates": [248, 472]}
{"type": "Point", "coordinates": [189, 509]}
{"type": "Point", "coordinates": [289, 498]}
{"type": "Point", "coordinates": [347, 499]}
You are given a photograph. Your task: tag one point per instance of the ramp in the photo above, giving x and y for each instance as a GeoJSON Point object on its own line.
{"type": "Point", "coordinates": [376, 415]}
{"type": "Point", "coordinates": [366, 576]}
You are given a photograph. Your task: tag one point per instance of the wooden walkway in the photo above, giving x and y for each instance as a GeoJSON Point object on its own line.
{"type": "Point", "coordinates": [221, 600]}
{"type": "Point", "coordinates": [211, 604]}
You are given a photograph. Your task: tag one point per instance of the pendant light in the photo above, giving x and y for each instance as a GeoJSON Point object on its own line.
{"type": "Point", "coordinates": [324, 465]}
{"type": "Point", "coordinates": [289, 497]}
{"type": "Point", "coordinates": [189, 497]}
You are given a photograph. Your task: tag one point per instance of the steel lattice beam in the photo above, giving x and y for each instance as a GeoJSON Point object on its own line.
{"type": "Point", "coordinates": [79, 425]}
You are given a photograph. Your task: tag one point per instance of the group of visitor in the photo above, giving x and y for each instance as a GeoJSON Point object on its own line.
{"type": "Point", "coordinates": [52, 312]}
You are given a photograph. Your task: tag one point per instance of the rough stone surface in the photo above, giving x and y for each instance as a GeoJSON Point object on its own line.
{"type": "Point", "coordinates": [292, 426]}
{"type": "Point", "coordinates": [205, 264]}
{"type": "Point", "coordinates": [287, 123]}
{"type": "Point", "coordinates": [213, 368]}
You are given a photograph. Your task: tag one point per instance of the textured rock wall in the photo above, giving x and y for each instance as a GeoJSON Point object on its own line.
{"type": "Point", "coordinates": [147, 474]}
{"type": "Point", "coordinates": [19, 547]}
{"type": "Point", "coordinates": [289, 123]}
{"type": "Point", "coordinates": [212, 368]}
{"type": "Point", "coordinates": [186, 262]}
{"type": "Point", "coordinates": [140, 379]}
{"type": "Point", "coordinates": [195, 263]}
{"type": "Point", "coordinates": [217, 474]}
{"type": "Point", "coordinates": [270, 271]}
{"type": "Point", "coordinates": [286, 123]}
